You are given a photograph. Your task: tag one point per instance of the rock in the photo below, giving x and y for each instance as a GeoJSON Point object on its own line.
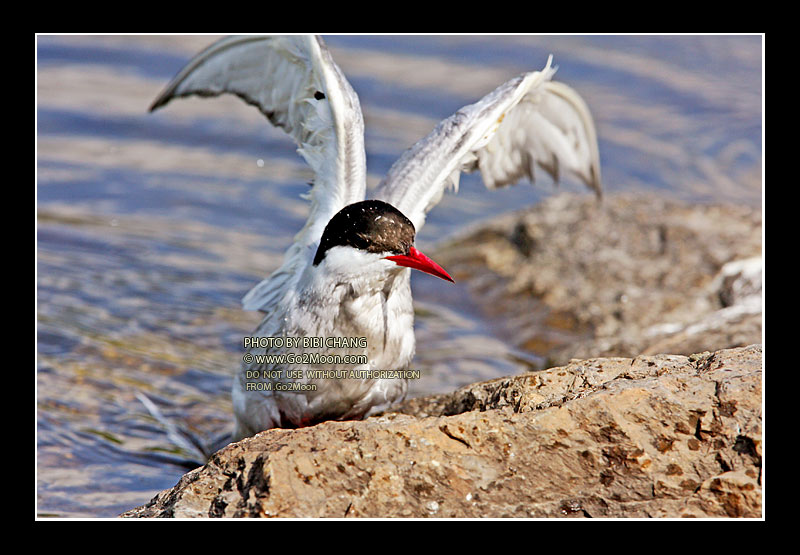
{"type": "Point", "coordinates": [630, 434]}
{"type": "Point", "coordinates": [634, 274]}
{"type": "Point", "coordinates": [653, 436]}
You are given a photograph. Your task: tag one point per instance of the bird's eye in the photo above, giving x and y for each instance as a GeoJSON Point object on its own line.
{"type": "Point", "coordinates": [360, 242]}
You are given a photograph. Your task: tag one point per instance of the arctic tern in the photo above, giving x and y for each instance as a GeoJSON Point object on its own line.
{"type": "Point", "coordinates": [339, 319]}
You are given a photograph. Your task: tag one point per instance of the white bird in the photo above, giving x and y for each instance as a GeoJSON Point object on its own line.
{"type": "Point", "coordinates": [343, 289]}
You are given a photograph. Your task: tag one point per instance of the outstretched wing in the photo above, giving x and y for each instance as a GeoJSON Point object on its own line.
{"type": "Point", "coordinates": [528, 121]}
{"type": "Point", "coordinates": [295, 83]}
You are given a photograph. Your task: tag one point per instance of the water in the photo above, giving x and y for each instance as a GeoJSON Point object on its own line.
{"type": "Point", "coordinates": [151, 227]}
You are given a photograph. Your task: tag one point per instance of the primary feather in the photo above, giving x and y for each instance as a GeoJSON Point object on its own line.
{"type": "Point", "coordinates": [526, 122]}
{"type": "Point", "coordinates": [295, 83]}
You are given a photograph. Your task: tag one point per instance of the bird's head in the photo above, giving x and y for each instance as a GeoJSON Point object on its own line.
{"type": "Point", "coordinates": [373, 236]}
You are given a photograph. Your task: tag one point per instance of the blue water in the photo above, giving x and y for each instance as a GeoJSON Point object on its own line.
{"type": "Point", "coordinates": [151, 227]}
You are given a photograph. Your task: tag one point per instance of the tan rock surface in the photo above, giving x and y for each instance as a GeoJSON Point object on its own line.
{"type": "Point", "coordinates": [634, 274]}
{"type": "Point", "coordinates": [654, 436]}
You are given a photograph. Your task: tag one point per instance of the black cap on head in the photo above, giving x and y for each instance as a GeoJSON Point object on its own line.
{"type": "Point", "coordinates": [369, 225]}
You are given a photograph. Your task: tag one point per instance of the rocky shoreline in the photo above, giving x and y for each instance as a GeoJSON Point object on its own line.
{"type": "Point", "coordinates": [634, 274]}
{"type": "Point", "coordinates": [653, 436]}
{"type": "Point", "coordinates": [611, 429]}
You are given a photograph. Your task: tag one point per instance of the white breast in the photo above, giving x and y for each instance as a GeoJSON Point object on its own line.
{"type": "Point", "coordinates": [373, 310]}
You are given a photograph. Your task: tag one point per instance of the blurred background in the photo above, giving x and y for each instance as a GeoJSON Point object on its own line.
{"type": "Point", "coordinates": [151, 227]}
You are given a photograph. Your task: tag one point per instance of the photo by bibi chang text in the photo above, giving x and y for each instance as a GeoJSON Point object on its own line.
{"type": "Point", "coordinates": [305, 342]}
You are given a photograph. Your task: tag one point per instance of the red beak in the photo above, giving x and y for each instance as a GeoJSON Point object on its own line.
{"type": "Point", "coordinates": [418, 261]}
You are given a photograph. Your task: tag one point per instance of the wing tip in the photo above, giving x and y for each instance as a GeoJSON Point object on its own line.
{"type": "Point", "coordinates": [549, 68]}
{"type": "Point", "coordinates": [163, 98]}
{"type": "Point", "coordinates": [596, 183]}
{"type": "Point", "coordinates": [597, 186]}
{"type": "Point", "coordinates": [158, 103]}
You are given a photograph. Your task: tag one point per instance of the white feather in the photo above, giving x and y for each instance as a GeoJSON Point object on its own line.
{"type": "Point", "coordinates": [527, 121]}
{"type": "Point", "coordinates": [281, 76]}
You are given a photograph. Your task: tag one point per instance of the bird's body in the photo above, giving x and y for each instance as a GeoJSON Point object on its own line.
{"type": "Point", "coordinates": [351, 312]}
{"type": "Point", "coordinates": [340, 306]}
